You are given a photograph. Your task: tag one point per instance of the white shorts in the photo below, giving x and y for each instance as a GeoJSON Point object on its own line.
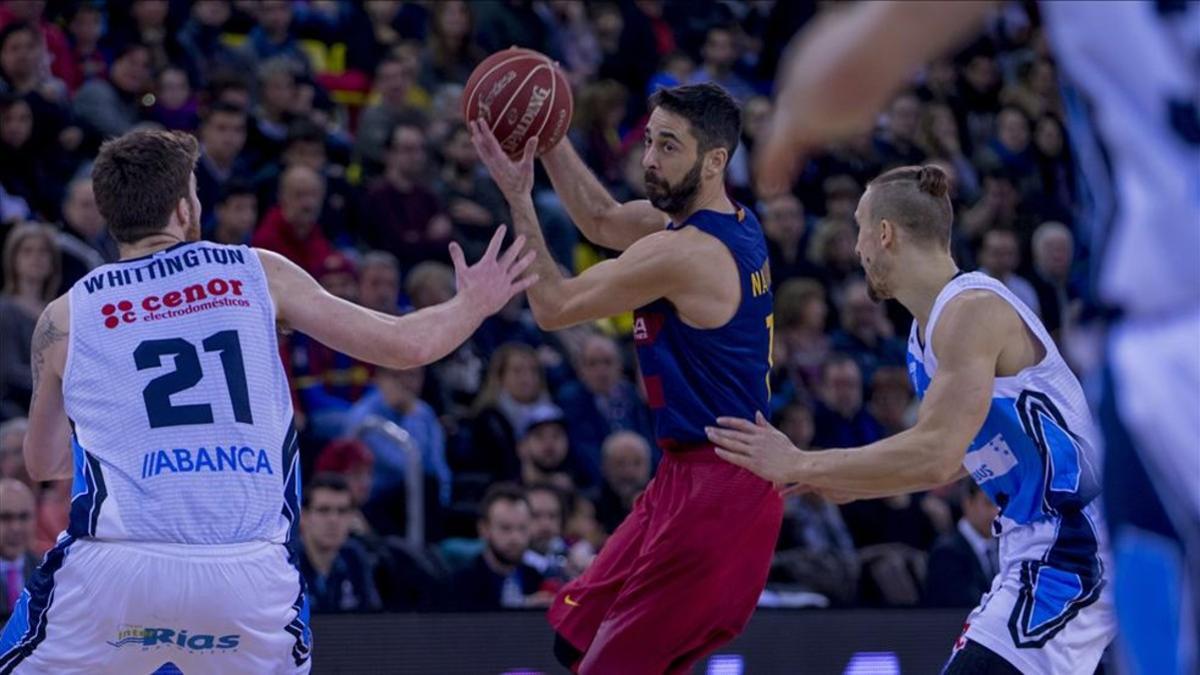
{"type": "Point", "coordinates": [107, 607]}
{"type": "Point", "coordinates": [1043, 619]}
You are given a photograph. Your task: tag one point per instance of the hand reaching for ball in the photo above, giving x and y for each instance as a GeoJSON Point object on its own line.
{"type": "Point", "coordinates": [513, 177]}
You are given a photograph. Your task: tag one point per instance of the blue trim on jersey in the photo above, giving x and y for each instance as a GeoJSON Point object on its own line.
{"type": "Point", "coordinates": [1053, 590]}
{"type": "Point", "coordinates": [167, 668]}
{"type": "Point", "coordinates": [298, 627]}
{"type": "Point", "coordinates": [88, 493]}
{"type": "Point", "coordinates": [26, 629]}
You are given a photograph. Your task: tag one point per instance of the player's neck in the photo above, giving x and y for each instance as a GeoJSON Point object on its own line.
{"type": "Point", "coordinates": [148, 245]}
{"type": "Point", "coordinates": [712, 200]}
{"type": "Point", "coordinates": [928, 275]}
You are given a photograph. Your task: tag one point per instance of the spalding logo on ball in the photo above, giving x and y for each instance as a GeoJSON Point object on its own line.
{"type": "Point", "coordinates": [519, 93]}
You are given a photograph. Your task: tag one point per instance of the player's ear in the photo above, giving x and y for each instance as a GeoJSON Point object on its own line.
{"type": "Point", "coordinates": [715, 161]}
{"type": "Point", "coordinates": [887, 233]}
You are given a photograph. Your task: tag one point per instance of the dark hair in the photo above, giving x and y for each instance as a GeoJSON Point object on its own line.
{"type": "Point", "coordinates": [304, 130]}
{"type": "Point", "coordinates": [130, 47]}
{"type": "Point", "coordinates": [916, 198]}
{"type": "Point", "coordinates": [236, 187]}
{"type": "Point", "coordinates": [409, 122]}
{"type": "Point", "coordinates": [14, 28]}
{"type": "Point", "coordinates": [324, 481]}
{"type": "Point", "coordinates": [558, 494]}
{"type": "Point", "coordinates": [139, 179]}
{"type": "Point", "coordinates": [219, 107]}
{"type": "Point", "coordinates": [501, 492]}
{"type": "Point", "coordinates": [838, 359]}
{"type": "Point", "coordinates": [715, 117]}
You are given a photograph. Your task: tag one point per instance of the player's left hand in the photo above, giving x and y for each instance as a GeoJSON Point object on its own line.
{"type": "Point", "coordinates": [758, 447]}
{"type": "Point", "coordinates": [513, 177]}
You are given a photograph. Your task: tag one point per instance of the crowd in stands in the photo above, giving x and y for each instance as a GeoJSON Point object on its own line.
{"type": "Point", "coordinates": [331, 133]}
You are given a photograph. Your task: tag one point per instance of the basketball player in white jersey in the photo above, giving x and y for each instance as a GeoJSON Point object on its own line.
{"type": "Point", "coordinates": [997, 403]}
{"type": "Point", "coordinates": [158, 387]}
{"type": "Point", "coordinates": [1131, 74]}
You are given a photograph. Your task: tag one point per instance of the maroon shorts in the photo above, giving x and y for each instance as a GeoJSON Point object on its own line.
{"type": "Point", "coordinates": [682, 574]}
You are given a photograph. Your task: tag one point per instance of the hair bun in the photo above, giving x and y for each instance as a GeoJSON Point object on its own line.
{"type": "Point", "coordinates": [933, 181]}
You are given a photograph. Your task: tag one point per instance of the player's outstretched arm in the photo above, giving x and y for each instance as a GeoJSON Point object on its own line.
{"type": "Point", "coordinates": [47, 447]}
{"type": "Point", "coordinates": [968, 341]}
{"type": "Point", "coordinates": [652, 267]}
{"type": "Point", "coordinates": [415, 339]}
{"type": "Point", "coordinates": [843, 69]}
{"type": "Point", "coordinates": [602, 219]}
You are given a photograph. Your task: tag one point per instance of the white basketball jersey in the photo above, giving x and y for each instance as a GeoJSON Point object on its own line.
{"type": "Point", "coordinates": [1133, 108]}
{"type": "Point", "coordinates": [181, 410]}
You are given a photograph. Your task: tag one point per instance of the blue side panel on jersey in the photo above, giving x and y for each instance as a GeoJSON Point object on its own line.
{"type": "Point", "coordinates": [88, 492]}
{"type": "Point", "coordinates": [1052, 594]}
{"type": "Point", "coordinates": [27, 627]}
{"type": "Point", "coordinates": [916, 373]}
{"type": "Point", "coordinates": [1064, 456]}
{"type": "Point", "coordinates": [1017, 490]}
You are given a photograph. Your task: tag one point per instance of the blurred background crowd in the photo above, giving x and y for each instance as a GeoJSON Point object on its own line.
{"type": "Point", "coordinates": [331, 133]}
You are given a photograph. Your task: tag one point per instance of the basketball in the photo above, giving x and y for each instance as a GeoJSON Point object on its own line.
{"type": "Point", "coordinates": [519, 93]}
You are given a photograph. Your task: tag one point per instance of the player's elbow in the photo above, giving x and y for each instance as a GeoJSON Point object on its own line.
{"type": "Point", "coordinates": [943, 459]}
{"type": "Point", "coordinates": [548, 321]}
{"type": "Point", "coordinates": [40, 467]}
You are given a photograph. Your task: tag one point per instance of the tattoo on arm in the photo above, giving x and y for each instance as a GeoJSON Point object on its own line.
{"type": "Point", "coordinates": [45, 334]}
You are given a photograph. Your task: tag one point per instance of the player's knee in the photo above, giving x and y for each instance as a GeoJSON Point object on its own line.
{"type": "Point", "coordinates": [566, 653]}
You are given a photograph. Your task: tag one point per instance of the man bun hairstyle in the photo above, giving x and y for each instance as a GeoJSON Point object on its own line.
{"type": "Point", "coordinates": [916, 198]}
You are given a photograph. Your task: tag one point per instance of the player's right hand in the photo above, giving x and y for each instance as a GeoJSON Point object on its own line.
{"type": "Point", "coordinates": [491, 282]}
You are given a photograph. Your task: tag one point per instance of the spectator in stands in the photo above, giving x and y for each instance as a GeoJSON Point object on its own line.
{"type": "Point", "coordinates": [979, 95]}
{"type": "Point", "coordinates": [543, 449]}
{"type": "Point", "coordinates": [515, 385]}
{"type": "Point", "coordinates": [327, 382]}
{"type": "Point", "coordinates": [866, 334]}
{"type": "Point", "coordinates": [12, 457]}
{"type": "Point", "coordinates": [291, 228]}
{"type": "Point", "coordinates": [800, 316]}
{"type": "Point", "coordinates": [23, 73]}
{"type": "Point", "coordinates": [85, 28]}
{"type": "Point", "coordinates": [832, 249]}
{"type": "Point", "coordinates": [841, 193]}
{"type": "Point", "coordinates": [30, 171]}
{"type": "Point", "coordinates": [1059, 298]}
{"type": "Point", "coordinates": [379, 282]}
{"type": "Point", "coordinates": [236, 213]}
{"type": "Point", "coordinates": [351, 459]}
{"type": "Point", "coordinates": [999, 257]}
{"type": "Point", "coordinates": [306, 146]}
{"type": "Point", "coordinates": [497, 578]}
{"type": "Point", "coordinates": [110, 107]}
{"type": "Point", "coordinates": [595, 128]}
{"type": "Point", "coordinates": [547, 552]}
{"type": "Point", "coordinates": [601, 402]}
{"type": "Point", "coordinates": [338, 573]}
{"type": "Point", "coordinates": [222, 139]}
{"type": "Point", "coordinates": [939, 139]}
{"type": "Point", "coordinates": [755, 115]}
{"type": "Point", "coordinates": [1055, 167]}
{"type": "Point", "coordinates": [892, 399]}
{"type": "Point", "coordinates": [720, 54]}
{"type": "Point", "coordinates": [273, 36]}
{"type": "Point", "coordinates": [394, 78]}
{"type": "Point", "coordinates": [84, 238]}
{"type": "Point", "coordinates": [963, 563]}
{"type": "Point", "coordinates": [17, 562]}
{"type": "Point", "coordinates": [200, 39]}
{"type": "Point", "coordinates": [32, 269]}
{"type": "Point", "coordinates": [451, 52]}
{"type": "Point", "coordinates": [400, 214]}
{"type": "Point", "coordinates": [783, 224]}
{"type": "Point", "coordinates": [998, 207]}
{"type": "Point", "coordinates": [174, 106]}
{"type": "Point", "coordinates": [1009, 149]}
{"type": "Point", "coordinates": [460, 374]}
{"type": "Point", "coordinates": [277, 100]}
{"type": "Point", "coordinates": [841, 420]}
{"type": "Point", "coordinates": [395, 398]}
{"type": "Point", "coordinates": [896, 144]}
{"type": "Point", "coordinates": [473, 202]}
{"type": "Point", "coordinates": [626, 474]}
{"type": "Point", "coordinates": [57, 60]}
{"type": "Point", "coordinates": [1035, 91]}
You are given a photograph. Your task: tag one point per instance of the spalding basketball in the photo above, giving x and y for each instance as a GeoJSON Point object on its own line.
{"type": "Point", "coordinates": [519, 93]}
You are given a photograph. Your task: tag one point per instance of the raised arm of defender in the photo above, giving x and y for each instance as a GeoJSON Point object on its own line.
{"type": "Point", "coordinates": [407, 341]}
{"type": "Point", "coordinates": [969, 340]}
{"type": "Point", "coordinates": [602, 219]}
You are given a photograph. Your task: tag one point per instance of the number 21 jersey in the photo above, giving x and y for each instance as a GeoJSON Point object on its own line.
{"type": "Point", "coordinates": [181, 410]}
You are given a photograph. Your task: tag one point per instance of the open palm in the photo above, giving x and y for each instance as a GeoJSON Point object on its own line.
{"type": "Point", "coordinates": [492, 281]}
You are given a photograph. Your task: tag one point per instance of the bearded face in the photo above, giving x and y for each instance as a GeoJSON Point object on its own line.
{"type": "Point", "coordinates": [675, 198]}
